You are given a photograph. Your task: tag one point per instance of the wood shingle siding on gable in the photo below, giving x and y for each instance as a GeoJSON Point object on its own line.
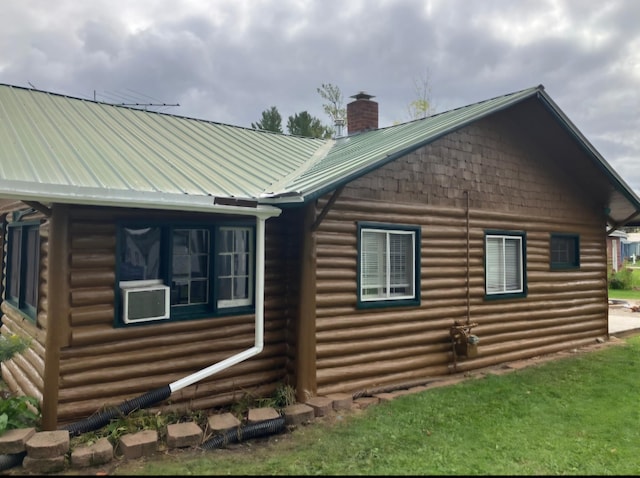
{"type": "Point", "coordinates": [511, 187]}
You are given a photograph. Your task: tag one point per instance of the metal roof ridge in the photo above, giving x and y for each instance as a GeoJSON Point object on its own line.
{"type": "Point", "coordinates": [141, 111]}
{"type": "Point", "coordinates": [508, 100]}
{"type": "Point", "coordinates": [278, 187]}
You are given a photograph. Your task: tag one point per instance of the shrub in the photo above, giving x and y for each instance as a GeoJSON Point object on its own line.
{"type": "Point", "coordinates": [11, 345]}
{"type": "Point", "coordinates": [16, 411]}
{"type": "Point", "coordinates": [621, 280]}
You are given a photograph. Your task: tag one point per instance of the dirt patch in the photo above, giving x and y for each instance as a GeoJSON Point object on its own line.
{"type": "Point", "coordinates": [624, 306]}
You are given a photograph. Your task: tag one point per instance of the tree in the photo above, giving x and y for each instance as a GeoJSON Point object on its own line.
{"type": "Point", "coordinates": [421, 106]}
{"type": "Point", "coordinates": [271, 121]}
{"type": "Point", "coordinates": [334, 107]}
{"type": "Point", "coordinates": [303, 124]}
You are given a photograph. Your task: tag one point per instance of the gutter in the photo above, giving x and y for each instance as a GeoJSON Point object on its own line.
{"type": "Point", "coordinates": [154, 200]}
{"type": "Point", "coordinates": [259, 321]}
{"type": "Point", "coordinates": [93, 196]}
{"type": "Point", "coordinates": [160, 394]}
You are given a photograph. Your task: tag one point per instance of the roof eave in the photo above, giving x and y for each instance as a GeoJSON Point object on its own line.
{"type": "Point", "coordinates": [52, 193]}
{"type": "Point", "coordinates": [619, 184]}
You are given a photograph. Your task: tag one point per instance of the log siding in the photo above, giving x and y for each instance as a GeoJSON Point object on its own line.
{"type": "Point", "coordinates": [101, 365]}
{"type": "Point", "coordinates": [511, 185]}
{"type": "Point", "coordinates": [486, 176]}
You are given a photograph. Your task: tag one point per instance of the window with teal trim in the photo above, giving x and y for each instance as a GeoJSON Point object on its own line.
{"type": "Point", "coordinates": [208, 269]}
{"type": "Point", "coordinates": [504, 264]}
{"type": "Point", "coordinates": [565, 251]}
{"type": "Point", "coordinates": [23, 266]}
{"type": "Point", "coordinates": [388, 265]}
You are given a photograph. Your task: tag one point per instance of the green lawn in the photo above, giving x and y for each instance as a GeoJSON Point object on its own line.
{"type": "Point", "coordinates": [577, 415]}
{"type": "Point", "coordinates": [633, 291]}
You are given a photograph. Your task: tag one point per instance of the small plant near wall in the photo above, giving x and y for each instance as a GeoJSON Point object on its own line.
{"type": "Point", "coordinates": [283, 396]}
{"type": "Point", "coordinates": [16, 411]}
{"type": "Point", "coordinates": [624, 284]}
{"type": "Point", "coordinates": [621, 280]}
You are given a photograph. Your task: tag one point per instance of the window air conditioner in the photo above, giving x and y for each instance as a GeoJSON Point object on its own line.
{"type": "Point", "coordinates": [144, 303]}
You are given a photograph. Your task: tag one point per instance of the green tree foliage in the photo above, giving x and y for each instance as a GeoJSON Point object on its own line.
{"type": "Point", "coordinates": [334, 106]}
{"type": "Point", "coordinates": [271, 121]}
{"type": "Point", "coordinates": [303, 124]}
{"type": "Point", "coordinates": [421, 106]}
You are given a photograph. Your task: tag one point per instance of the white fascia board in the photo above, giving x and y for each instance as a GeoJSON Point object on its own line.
{"type": "Point", "coordinates": [54, 193]}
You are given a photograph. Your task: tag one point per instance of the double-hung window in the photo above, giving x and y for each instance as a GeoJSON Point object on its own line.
{"type": "Point", "coordinates": [564, 251]}
{"type": "Point", "coordinates": [206, 269]}
{"type": "Point", "coordinates": [388, 265]}
{"type": "Point", "coordinates": [505, 260]}
{"type": "Point", "coordinates": [23, 259]}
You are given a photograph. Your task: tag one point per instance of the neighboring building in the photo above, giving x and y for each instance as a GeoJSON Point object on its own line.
{"type": "Point", "coordinates": [615, 253]}
{"type": "Point", "coordinates": [146, 252]}
{"type": "Point", "coordinates": [631, 248]}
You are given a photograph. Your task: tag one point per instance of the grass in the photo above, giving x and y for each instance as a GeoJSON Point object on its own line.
{"type": "Point", "coordinates": [633, 290]}
{"type": "Point", "coordinates": [624, 294]}
{"type": "Point", "coordinates": [573, 416]}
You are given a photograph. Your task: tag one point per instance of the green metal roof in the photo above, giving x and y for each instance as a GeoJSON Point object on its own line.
{"type": "Point", "coordinates": [355, 155]}
{"type": "Point", "coordinates": [55, 148]}
{"type": "Point", "coordinates": [61, 149]}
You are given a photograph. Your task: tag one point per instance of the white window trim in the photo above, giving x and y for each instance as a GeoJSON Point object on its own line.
{"type": "Point", "coordinates": [503, 290]}
{"type": "Point", "coordinates": [228, 303]}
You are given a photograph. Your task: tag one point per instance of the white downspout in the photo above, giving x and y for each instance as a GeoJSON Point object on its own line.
{"type": "Point", "coordinates": [259, 320]}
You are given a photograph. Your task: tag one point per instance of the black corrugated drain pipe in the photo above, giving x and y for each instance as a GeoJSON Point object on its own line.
{"type": "Point", "coordinates": [246, 432]}
{"type": "Point", "coordinates": [94, 422]}
{"type": "Point", "coordinates": [99, 420]}
{"type": "Point", "coordinates": [11, 460]}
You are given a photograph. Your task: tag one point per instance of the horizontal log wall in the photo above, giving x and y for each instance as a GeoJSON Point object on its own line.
{"type": "Point", "coordinates": [105, 365]}
{"type": "Point", "coordinates": [24, 373]}
{"type": "Point", "coordinates": [511, 186]}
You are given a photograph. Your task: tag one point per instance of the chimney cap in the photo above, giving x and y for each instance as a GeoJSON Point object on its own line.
{"type": "Point", "coordinates": [362, 96]}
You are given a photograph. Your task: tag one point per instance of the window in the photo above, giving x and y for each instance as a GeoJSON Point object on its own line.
{"type": "Point", "coordinates": [504, 264]}
{"type": "Point", "coordinates": [235, 267]}
{"type": "Point", "coordinates": [388, 265]}
{"type": "Point", "coordinates": [565, 251]}
{"type": "Point", "coordinates": [207, 269]}
{"type": "Point", "coordinates": [23, 260]}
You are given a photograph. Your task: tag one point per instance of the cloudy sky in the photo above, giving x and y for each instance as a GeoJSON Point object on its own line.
{"type": "Point", "coordinates": [229, 60]}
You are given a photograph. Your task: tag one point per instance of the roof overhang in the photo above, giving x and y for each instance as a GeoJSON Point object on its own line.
{"type": "Point", "coordinates": [51, 193]}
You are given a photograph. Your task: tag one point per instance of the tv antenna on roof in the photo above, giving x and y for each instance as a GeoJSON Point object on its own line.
{"type": "Point", "coordinates": [132, 101]}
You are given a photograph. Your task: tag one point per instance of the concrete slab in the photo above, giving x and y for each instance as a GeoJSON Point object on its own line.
{"type": "Point", "coordinates": [136, 445]}
{"type": "Point", "coordinates": [181, 435]}
{"type": "Point", "coordinates": [223, 422]}
{"type": "Point", "coordinates": [261, 414]}
{"type": "Point", "coordinates": [623, 321]}
{"type": "Point", "coordinates": [14, 441]}
{"type": "Point", "coordinates": [48, 444]}
{"type": "Point", "coordinates": [321, 405]}
{"type": "Point", "coordinates": [298, 414]}
{"type": "Point", "coordinates": [341, 401]}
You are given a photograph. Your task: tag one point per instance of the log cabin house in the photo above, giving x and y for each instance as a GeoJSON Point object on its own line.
{"type": "Point", "coordinates": [144, 250]}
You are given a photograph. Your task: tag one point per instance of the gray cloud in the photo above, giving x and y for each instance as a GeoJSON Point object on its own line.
{"type": "Point", "coordinates": [229, 60]}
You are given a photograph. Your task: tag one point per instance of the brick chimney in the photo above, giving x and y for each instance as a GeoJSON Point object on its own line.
{"type": "Point", "coordinates": [362, 113]}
